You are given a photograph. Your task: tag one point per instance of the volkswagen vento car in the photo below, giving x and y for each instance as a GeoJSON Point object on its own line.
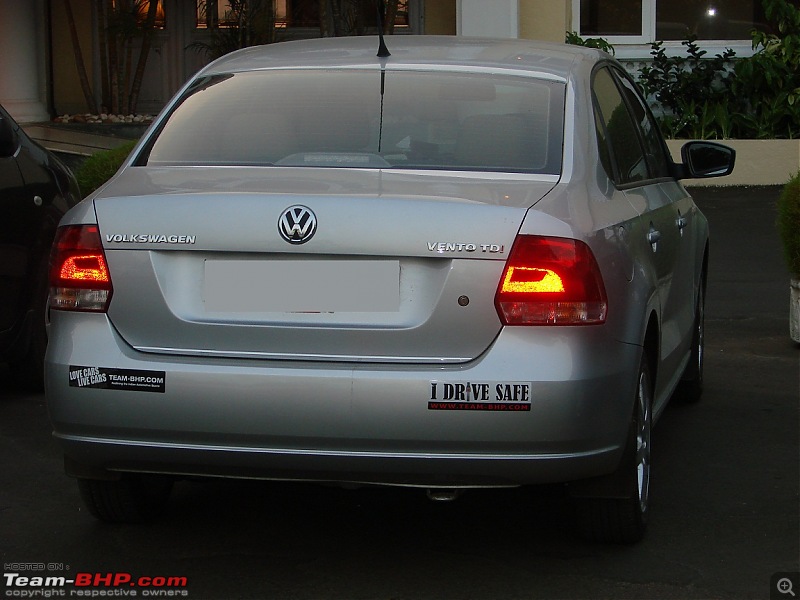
{"type": "Point", "coordinates": [36, 189]}
{"type": "Point", "coordinates": [468, 264]}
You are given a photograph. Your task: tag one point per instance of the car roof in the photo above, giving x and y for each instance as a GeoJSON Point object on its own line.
{"type": "Point", "coordinates": [555, 60]}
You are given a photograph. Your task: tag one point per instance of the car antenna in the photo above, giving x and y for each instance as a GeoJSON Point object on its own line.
{"type": "Point", "coordinates": [383, 51]}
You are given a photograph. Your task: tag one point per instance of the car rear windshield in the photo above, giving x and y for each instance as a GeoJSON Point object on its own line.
{"type": "Point", "coordinates": [366, 119]}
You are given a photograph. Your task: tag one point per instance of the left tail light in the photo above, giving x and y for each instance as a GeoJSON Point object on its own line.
{"type": "Point", "coordinates": [79, 277]}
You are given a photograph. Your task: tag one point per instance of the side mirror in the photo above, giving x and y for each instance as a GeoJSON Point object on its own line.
{"type": "Point", "coordinates": [8, 138]}
{"type": "Point", "coordinates": [706, 159]}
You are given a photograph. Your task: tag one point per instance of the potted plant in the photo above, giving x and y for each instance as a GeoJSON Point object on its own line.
{"type": "Point", "coordinates": [789, 228]}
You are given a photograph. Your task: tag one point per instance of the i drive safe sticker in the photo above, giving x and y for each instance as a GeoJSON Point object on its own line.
{"type": "Point", "coordinates": [107, 378]}
{"type": "Point", "coordinates": [505, 396]}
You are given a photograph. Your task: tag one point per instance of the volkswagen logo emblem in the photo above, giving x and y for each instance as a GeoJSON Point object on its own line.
{"type": "Point", "coordinates": [297, 224]}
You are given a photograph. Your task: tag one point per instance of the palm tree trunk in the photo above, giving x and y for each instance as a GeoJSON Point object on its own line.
{"type": "Point", "coordinates": [149, 27]}
{"type": "Point", "coordinates": [324, 18]}
{"type": "Point", "coordinates": [105, 88]}
{"type": "Point", "coordinates": [391, 14]}
{"type": "Point", "coordinates": [91, 104]}
{"type": "Point", "coordinates": [336, 15]}
{"type": "Point", "coordinates": [113, 60]}
{"type": "Point", "coordinates": [126, 80]}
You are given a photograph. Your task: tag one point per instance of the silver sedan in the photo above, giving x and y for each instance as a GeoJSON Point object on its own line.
{"type": "Point", "coordinates": [467, 264]}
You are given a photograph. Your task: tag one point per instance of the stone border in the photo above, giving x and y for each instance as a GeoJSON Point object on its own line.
{"type": "Point", "coordinates": [104, 118]}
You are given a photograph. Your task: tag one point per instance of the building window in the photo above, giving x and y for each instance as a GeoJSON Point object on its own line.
{"type": "Point", "coordinates": [611, 18]}
{"type": "Point", "coordinates": [220, 13]}
{"type": "Point", "coordinates": [722, 20]}
{"type": "Point", "coordinates": [630, 23]}
{"type": "Point", "coordinates": [288, 13]}
{"type": "Point", "coordinates": [139, 11]}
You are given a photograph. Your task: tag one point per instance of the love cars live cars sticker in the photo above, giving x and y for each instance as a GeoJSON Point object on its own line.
{"type": "Point", "coordinates": [506, 396]}
{"type": "Point", "coordinates": [106, 378]}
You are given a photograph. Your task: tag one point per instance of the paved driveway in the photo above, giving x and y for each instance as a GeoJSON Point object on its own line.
{"type": "Point", "coordinates": [724, 512]}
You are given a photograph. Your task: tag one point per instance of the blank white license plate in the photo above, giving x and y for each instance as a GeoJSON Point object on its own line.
{"type": "Point", "coordinates": [302, 286]}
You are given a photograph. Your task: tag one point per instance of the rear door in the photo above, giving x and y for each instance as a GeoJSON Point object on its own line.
{"type": "Point", "coordinates": [640, 167]}
{"type": "Point", "coordinates": [672, 211]}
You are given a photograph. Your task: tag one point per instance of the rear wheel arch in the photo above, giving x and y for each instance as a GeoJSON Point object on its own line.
{"type": "Point", "coordinates": [615, 508]}
{"type": "Point", "coordinates": [690, 387]}
{"type": "Point", "coordinates": [651, 345]}
{"type": "Point", "coordinates": [703, 281]}
{"type": "Point", "coordinates": [704, 273]}
{"type": "Point", "coordinates": [615, 485]}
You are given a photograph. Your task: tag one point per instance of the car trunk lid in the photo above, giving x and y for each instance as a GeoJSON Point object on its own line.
{"type": "Point", "coordinates": [200, 266]}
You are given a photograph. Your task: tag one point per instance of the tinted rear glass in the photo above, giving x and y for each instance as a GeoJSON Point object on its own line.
{"type": "Point", "coordinates": [342, 119]}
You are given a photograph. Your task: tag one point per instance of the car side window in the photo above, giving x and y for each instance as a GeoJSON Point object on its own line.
{"type": "Point", "coordinates": [622, 139]}
{"type": "Point", "coordinates": [8, 138]}
{"type": "Point", "coordinates": [656, 154]}
{"type": "Point", "coordinates": [603, 143]}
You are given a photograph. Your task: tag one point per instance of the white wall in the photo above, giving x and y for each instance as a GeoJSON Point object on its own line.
{"type": "Point", "coordinates": [22, 60]}
{"type": "Point", "coordinates": [488, 18]}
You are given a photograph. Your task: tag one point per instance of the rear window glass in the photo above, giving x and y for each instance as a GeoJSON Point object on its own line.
{"type": "Point", "coordinates": [366, 119]}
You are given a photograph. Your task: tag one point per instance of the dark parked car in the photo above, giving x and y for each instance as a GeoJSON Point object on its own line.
{"type": "Point", "coordinates": [36, 189]}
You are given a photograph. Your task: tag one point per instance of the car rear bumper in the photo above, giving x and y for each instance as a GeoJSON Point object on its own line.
{"type": "Point", "coordinates": [344, 422]}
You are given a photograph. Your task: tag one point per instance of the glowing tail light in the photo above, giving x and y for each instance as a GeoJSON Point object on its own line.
{"type": "Point", "coordinates": [79, 277]}
{"type": "Point", "coordinates": [551, 281]}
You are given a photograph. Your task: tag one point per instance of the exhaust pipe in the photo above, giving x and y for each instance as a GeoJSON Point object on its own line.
{"type": "Point", "coordinates": [443, 494]}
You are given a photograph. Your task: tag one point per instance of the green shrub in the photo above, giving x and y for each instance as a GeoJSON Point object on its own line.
{"type": "Point", "coordinates": [789, 223]}
{"type": "Point", "coordinates": [100, 166]}
{"type": "Point", "coordinates": [724, 97]}
{"type": "Point", "coordinates": [694, 91]}
{"type": "Point", "coordinates": [573, 38]}
{"type": "Point", "coordinates": [768, 83]}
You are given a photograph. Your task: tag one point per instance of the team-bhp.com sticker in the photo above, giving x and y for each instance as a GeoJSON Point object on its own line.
{"type": "Point", "coordinates": [94, 585]}
{"type": "Point", "coordinates": [107, 378]}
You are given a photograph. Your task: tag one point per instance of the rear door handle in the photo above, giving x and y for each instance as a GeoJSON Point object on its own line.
{"type": "Point", "coordinates": [653, 236]}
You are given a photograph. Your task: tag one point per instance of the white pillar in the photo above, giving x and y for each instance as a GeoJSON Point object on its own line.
{"type": "Point", "coordinates": [488, 18]}
{"type": "Point", "coordinates": [22, 59]}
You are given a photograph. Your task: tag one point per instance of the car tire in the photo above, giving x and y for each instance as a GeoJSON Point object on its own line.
{"type": "Point", "coordinates": [690, 388]}
{"type": "Point", "coordinates": [132, 499]}
{"type": "Point", "coordinates": [623, 519]}
{"type": "Point", "coordinates": [28, 369]}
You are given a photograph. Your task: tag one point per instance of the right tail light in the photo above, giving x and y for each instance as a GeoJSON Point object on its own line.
{"type": "Point", "coordinates": [551, 281]}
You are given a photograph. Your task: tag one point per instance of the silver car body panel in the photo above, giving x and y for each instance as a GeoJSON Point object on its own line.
{"type": "Point", "coordinates": [335, 421]}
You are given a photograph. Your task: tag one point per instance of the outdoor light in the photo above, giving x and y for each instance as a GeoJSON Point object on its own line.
{"type": "Point", "coordinates": [711, 12]}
